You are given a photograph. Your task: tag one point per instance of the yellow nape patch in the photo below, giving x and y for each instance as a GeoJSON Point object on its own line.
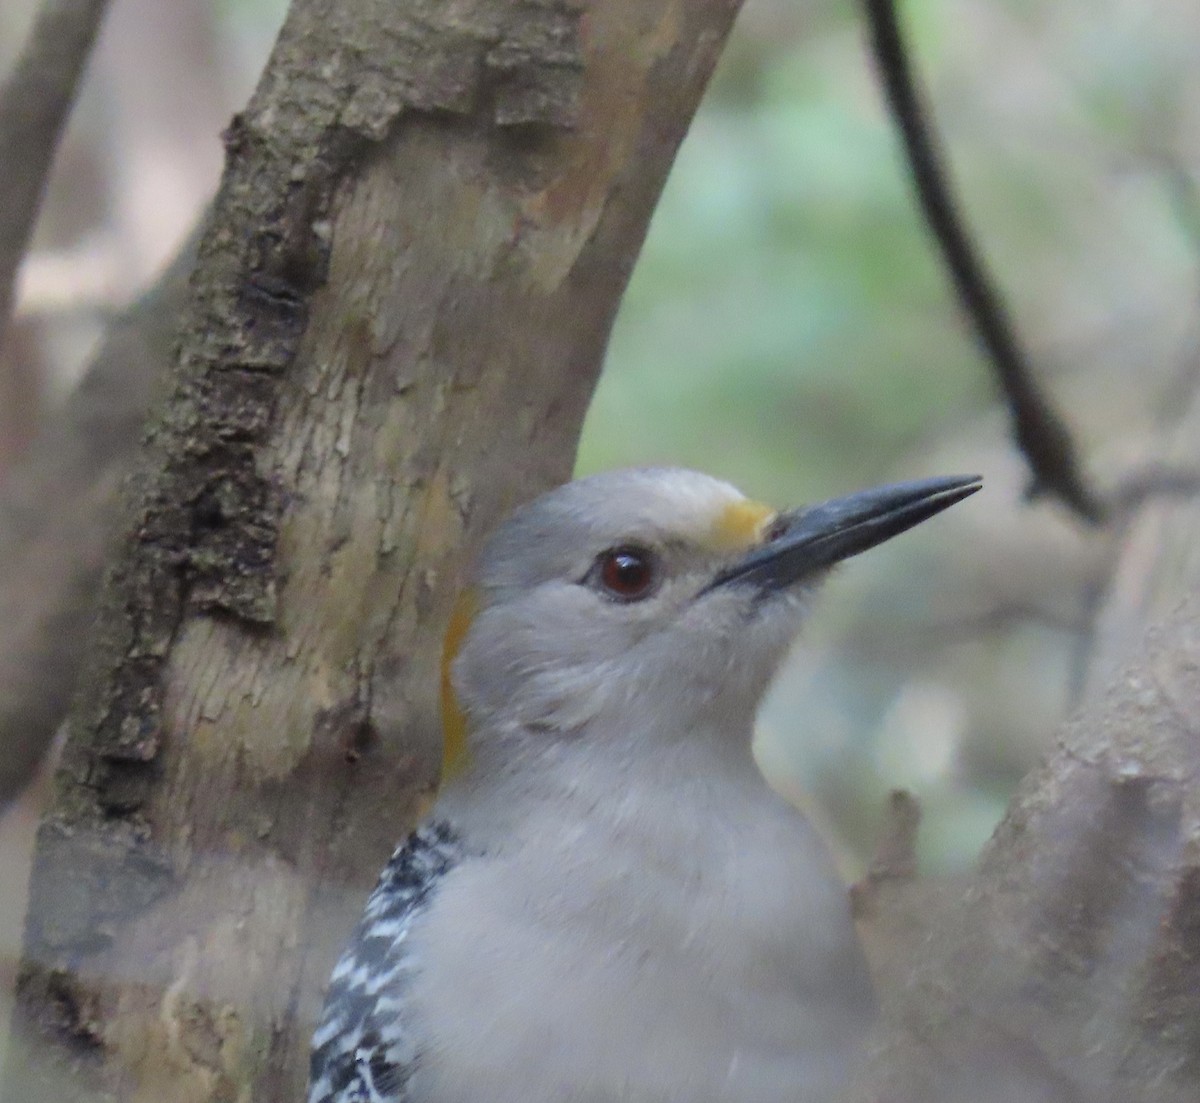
{"type": "Point", "coordinates": [740, 524]}
{"type": "Point", "coordinates": [454, 720]}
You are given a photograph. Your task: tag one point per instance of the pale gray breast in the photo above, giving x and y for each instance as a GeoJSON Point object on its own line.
{"type": "Point", "coordinates": [694, 958]}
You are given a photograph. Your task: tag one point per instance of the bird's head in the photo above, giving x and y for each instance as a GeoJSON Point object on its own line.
{"type": "Point", "coordinates": [652, 588]}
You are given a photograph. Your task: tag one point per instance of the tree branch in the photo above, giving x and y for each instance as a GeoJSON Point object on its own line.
{"type": "Point", "coordinates": [1070, 963]}
{"type": "Point", "coordinates": [1041, 434]}
{"type": "Point", "coordinates": [34, 104]}
{"type": "Point", "coordinates": [895, 856]}
{"type": "Point", "coordinates": [58, 510]}
{"type": "Point", "coordinates": [1153, 481]}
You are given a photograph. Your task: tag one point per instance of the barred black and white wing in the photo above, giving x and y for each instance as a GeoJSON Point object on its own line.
{"type": "Point", "coordinates": [364, 1050]}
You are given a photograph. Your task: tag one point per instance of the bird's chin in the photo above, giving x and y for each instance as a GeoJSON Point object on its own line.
{"type": "Point", "coordinates": [757, 630]}
{"type": "Point", "coordinates": [773, 613]}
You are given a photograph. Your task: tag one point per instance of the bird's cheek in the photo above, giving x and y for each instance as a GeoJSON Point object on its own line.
{"type": "Point", "coordinates": [507, 673]}
{"type": "Point", "coordinates": [484, 670]}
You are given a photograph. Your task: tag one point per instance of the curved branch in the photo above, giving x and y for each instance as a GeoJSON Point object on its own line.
{"type": "Point", "coordinates": [1040, 432]}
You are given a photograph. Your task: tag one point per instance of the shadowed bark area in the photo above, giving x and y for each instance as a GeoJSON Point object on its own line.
{"type": "Point", "coordinates": [399, 311]}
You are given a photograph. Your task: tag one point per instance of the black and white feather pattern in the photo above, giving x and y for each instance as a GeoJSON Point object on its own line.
{"type": "Point", "coordinates": [363, 1050]}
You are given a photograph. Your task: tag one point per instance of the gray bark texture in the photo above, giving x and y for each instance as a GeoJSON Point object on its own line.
{"type": "Point", "coordinates": [398, 314]}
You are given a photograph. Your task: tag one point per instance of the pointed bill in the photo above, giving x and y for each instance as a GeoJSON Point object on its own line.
{"type": "Point", "coordinates": [811, 539]}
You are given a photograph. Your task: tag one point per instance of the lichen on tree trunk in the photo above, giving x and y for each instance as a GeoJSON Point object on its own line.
{"type": "Point", "coordinates": [400, 308]}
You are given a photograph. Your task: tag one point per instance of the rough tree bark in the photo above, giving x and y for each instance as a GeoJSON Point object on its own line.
{"type": "Point", "coordinates": [428, 215]}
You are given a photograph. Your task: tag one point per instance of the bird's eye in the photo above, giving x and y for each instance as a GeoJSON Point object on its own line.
{"type": "Point", "coordinates": [775, 529]}
{"type": "Point", "coordinates": [627, 572]}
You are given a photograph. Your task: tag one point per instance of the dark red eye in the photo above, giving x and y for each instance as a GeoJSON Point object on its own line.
{"type": "Point", "coordinates": [627, 572]}
{"type": "Point", "coordinates": [776, 529]}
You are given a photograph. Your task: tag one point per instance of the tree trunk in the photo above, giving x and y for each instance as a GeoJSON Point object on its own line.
{"type": "Point", "coordinates": [428, 216]}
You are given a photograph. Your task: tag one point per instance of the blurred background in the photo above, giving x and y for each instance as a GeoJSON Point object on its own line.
{"type": "Point", "coordinates": [790, 328]}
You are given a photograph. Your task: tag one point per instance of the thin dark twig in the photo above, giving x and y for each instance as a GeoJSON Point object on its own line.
{"type": "Point", "coordinates": [34, 103]}
{"type": "Point", "coordinates": [1040, 432]}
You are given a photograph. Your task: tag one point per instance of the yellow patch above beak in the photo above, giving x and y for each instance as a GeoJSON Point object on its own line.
{"type": "Point", "coordinates": [454, 720]}
{"type": "Point", "coordinates": [741, 525]}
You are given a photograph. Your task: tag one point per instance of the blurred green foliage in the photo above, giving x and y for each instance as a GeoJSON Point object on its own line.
{"type": "Point", "coordinates": [788, 324]}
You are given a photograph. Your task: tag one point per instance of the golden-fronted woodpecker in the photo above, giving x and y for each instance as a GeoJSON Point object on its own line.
{"type": "Point", "coordinates": [608, 904]}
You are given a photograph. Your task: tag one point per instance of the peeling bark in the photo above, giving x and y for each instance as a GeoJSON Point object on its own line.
{"type": "Point", "coordinates": [400, 308]}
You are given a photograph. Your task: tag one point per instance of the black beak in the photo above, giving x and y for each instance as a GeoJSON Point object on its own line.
{"type": "Point", "coordinates": [807, 540]}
